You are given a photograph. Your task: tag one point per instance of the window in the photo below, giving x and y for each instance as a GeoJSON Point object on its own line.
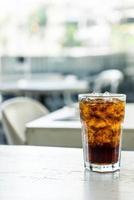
{"type": "Point", "coordinates": [54, 27]}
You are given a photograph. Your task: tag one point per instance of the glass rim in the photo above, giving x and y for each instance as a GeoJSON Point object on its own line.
{"type": "Point", "coordinates": [102, 95]}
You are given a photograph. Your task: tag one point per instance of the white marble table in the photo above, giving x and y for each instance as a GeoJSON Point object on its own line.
{"type": "Point", "coordinates": [31, 173]}
{"type": "Point", "coordinates": [63, 128]}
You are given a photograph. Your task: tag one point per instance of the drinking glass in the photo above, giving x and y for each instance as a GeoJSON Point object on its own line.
{"type": "Point", "coordinates": [101, 117]}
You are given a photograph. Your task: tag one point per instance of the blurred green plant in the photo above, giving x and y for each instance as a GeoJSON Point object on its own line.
{"type": "Point", "coordinates": [123, 36]}
{"type": "Point", "coordinates": [70, 39]}
{"type": "Point", "coordinates": [37, 19]}
{"type": "Point", "coordinates": [4, 23]}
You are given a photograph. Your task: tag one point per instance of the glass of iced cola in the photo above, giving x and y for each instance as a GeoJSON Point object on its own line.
{"type": "Point", "coordinates": [101, 117]}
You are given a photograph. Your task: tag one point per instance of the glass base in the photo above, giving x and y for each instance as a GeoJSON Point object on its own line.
{"type": "Point", "coordinates": [103, 168]}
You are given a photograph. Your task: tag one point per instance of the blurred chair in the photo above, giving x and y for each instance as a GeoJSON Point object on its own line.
{"type": "Point", "coordinates": [16, 113]}
{"type": "Point", "coordinates": [111, 78]}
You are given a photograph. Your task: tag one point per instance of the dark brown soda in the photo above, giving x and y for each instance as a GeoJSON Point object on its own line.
{"type": "Point", "coordinates": [101, 121]}
{"type": "Point", "coordinates": [103, 154]}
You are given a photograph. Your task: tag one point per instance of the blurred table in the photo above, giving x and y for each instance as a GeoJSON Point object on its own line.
{"type": "Point", "coordinates": [63, 128]}
{"type": "Point", "coordinates": [46, 84]}
{"type": "Point", "coordinates": [58, 173]}
{"type": "Point", "coordinates": [40, 87]}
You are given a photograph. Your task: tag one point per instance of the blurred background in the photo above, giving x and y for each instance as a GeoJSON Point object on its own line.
{"type": "Point", "coordinates": [66, 40]}
{"type": "Point", "coordinates": [52, 50]}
